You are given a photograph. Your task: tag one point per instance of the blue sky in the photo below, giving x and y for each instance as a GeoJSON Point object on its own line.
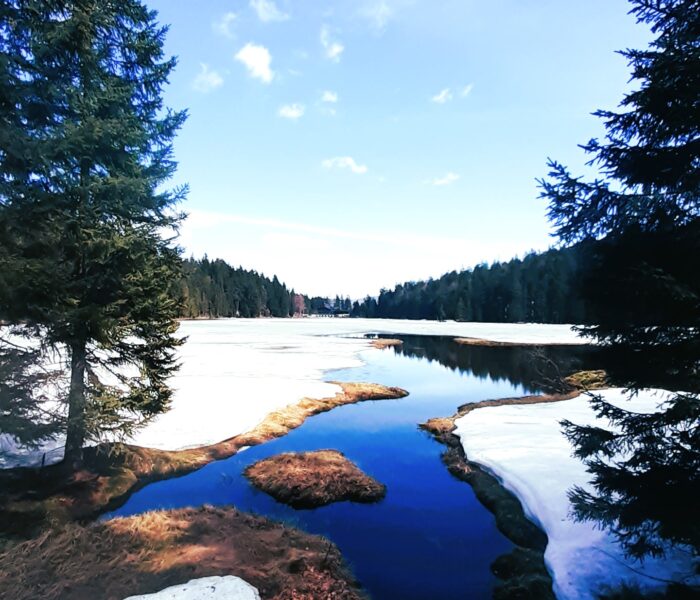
{"type": "Point", "coordinates": [350, 145]}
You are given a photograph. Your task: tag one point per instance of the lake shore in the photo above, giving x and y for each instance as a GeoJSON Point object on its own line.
{"type": "Point", "coordinates": [42, 514]}
{"type": "Point", "coordinates": [523, 572]}
{"type": "Point", "coordinates": [112, 472]}
{"type": "Point", "coordinates": [473, 341]}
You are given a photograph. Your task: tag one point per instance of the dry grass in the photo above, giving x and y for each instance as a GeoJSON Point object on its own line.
{"type": "Point", "coordinates": [471, 341]}
{"type": "Point", "coordinates": [312, 479]}
{"type": "Point", "coordinates": [137, 555]}
{"type": "Point", "coordinates": [588, 380]}
{"type": "Point", "coordinates": [382, 343]}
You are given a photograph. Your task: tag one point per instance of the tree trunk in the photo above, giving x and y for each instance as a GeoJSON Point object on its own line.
{"type": "Point", "coordinates": [75, 436]}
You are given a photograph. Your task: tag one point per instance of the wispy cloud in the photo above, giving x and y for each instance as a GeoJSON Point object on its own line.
{"type": "Point", "coordinates": [257, 60]}
{"type": "Point", "coordinates": [377, 13]}
{"type": "Point", "coordinates": [267, 11]}
{"type": "Point", "coordinates": [329, 97]}
{"type": "Point", "coordinates": [344, 162]}
{"type": "Point", "coordinates": [198, 219]}
{"type": "Point", "coordinates": [333, 49]}
{"type": "Point", "coordinates": [205, 219]}
{"type": "Point", "coordinates": [443, 96]}
{"type": "Point", "coordinates": [446, 95]}
{"type": "Point", "coordinates": [207, 79]}
{"type": "Point", "coordinates": [291, 111]}
{"type": "Point", "coordinates": [448, 179]}
{"type": "Point", "coordinates": [223, 25]}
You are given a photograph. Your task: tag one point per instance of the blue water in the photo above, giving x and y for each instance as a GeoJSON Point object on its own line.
{"type": "Point", "coordinates": [430, 537]}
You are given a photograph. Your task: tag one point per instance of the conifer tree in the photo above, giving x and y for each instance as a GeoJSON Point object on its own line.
{"type": "Point", "coordinates": [643, 288]}
{"type": "Point", "coordinates": [86, 226]}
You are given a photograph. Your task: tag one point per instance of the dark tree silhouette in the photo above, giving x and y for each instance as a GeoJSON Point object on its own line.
{"type": "Point", "coordinates": [642, 287]}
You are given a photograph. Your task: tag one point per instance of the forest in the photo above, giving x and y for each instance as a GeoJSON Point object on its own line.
{"type": "Point", "coordinates": [540, 288]}
{"type": "Point", "coordinates": [213, 288]}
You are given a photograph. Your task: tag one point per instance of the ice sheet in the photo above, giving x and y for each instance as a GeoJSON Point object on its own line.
{"type": "Point", "coordinates": [236, 371]}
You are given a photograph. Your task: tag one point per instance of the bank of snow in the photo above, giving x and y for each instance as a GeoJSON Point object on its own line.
{"type": "Point", "coordinates": [525, 448]}
{"type": "Point", "coordinates": [206, 588]}
{"type": "Point", "coordinates": [236, 371]}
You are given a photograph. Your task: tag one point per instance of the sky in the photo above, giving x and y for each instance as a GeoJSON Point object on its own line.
{"type": "Point", "coordinates": [350, 145]}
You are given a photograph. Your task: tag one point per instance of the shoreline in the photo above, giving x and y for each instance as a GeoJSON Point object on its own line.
{"type": "Point", "coordinates": [522, 572]}
{"type": "Point", "coordinates": [473, 341]}
{"type": "Point", "coordinates": [382, 343]}
{"type": "Point", "coordinates": [113, 472]}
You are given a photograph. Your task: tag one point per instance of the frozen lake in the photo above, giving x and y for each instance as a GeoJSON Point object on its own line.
{"type": "Point", "coordinates": [235, 371]}
{"type": "Point", "coordinates": [429, 537]}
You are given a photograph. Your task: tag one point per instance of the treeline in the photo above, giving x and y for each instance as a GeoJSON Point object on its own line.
{"type": "Point", "coordinates": [540, 288]}
{"type": "Point", "coordinates": [213, 288]}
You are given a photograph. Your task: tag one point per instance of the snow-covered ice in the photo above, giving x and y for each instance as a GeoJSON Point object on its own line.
{"type": "Point", "coordinates": [235, 371]}
{"type": "Point", "coordinates": [206, 588]}
{"type": "Point", "coordinates": [525, 448]}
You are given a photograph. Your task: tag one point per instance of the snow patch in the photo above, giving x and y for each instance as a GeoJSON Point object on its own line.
{"type": "Point", "coordinates": [525, 448]}
{"type": "Point", "coordinates": [206, 588]}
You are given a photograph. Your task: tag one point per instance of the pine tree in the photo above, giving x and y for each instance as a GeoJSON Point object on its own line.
{"type": "Point", "coordinates": [643, 289]}
{"type": "Point", "coordinates": [86, 258]}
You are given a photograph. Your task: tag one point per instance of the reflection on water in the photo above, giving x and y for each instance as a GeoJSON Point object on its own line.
{"type": "Point", "coordinates": [429, 537]}
{"type": "Point", "coordinates": [532, 367]}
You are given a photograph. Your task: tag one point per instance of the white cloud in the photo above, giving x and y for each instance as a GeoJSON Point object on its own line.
{"type": "Point", "coordinates": [333, 49]}
{"type": "Point", "coordinates": [267, 11]}
{"type": "Point", "coordinates": [378, 13]}
{"type": "Point", "coordinates": [344, 162]}
{"type": "Point", "coordinates": [443, 96]}
{"type": "Point", "coordinates": [329, 97]}
{"type": "Point", "coordinates": [291, 111]}
{"type": "Point", "coordinates": [223, 26]}
{"type": "Point", "coordinates": [207, 79]}
{"type": "Point", "coordinates": [257, 60]}
{"type": "Point", "coordinates": [446, 180]}
{"type": "Point", "coordinates": [466, 90]}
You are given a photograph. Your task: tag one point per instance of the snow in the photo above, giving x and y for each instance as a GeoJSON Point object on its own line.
{"type": "Point", "coordinates": [13, 454]}
{"type": "Point", "coordinates": [206, 588]}
{"type": "Point", "coordinates": [527, 333]}
{"type": "Point", "coordinates": [236, 371]}
{"type": "Point", "coordinates": [525, 448]}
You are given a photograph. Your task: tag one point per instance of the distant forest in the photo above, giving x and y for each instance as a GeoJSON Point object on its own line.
{"type": "Point", "coordinates": [540, 288]}
{"type": "Point", "coordinates": [213, 288]}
